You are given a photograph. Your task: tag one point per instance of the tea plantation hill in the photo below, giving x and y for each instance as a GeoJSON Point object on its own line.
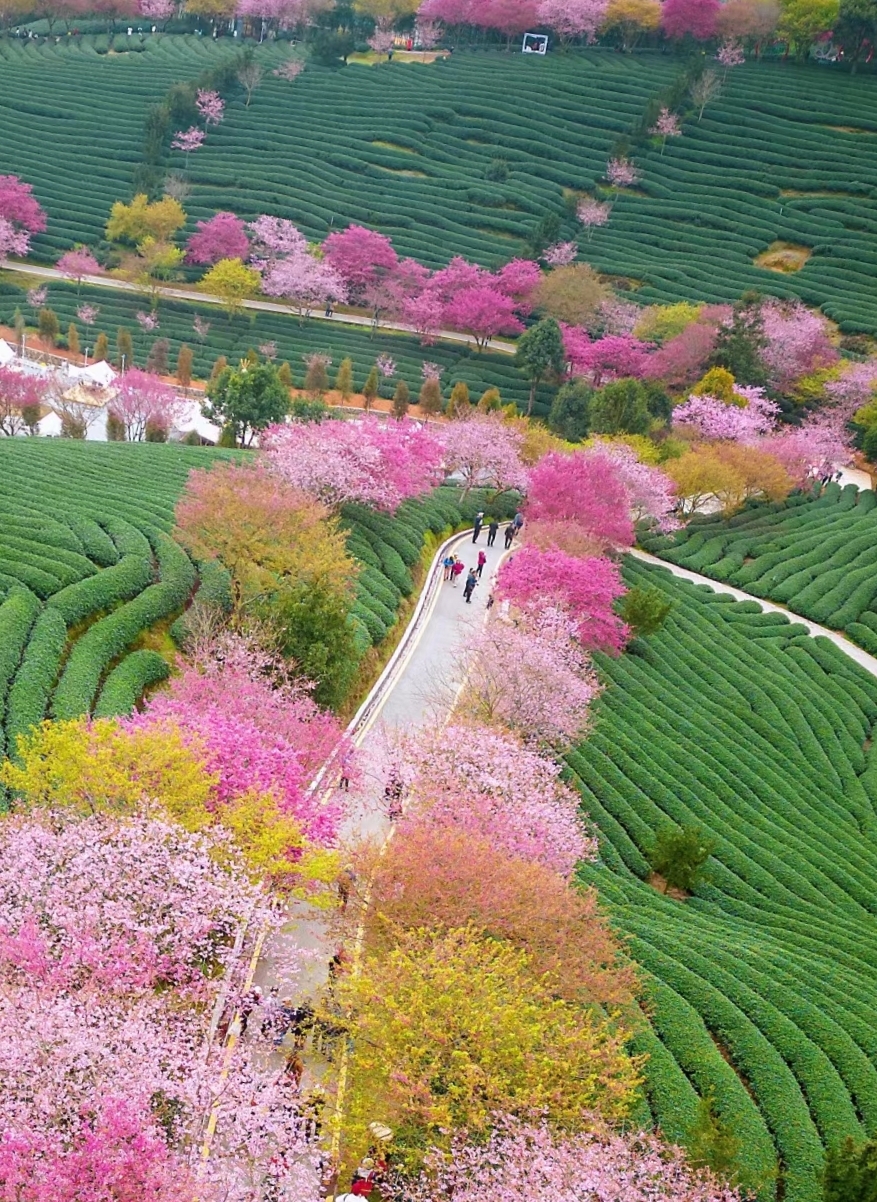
{"type": "Point", "coordinates": [467, 155]}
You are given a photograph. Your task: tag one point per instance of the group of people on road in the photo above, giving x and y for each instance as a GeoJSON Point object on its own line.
{"type": "Point", "coordinates": [454, 567]}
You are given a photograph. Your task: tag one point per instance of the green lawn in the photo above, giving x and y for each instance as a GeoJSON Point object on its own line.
{"type": "Point", "coordinates": [761, 983]}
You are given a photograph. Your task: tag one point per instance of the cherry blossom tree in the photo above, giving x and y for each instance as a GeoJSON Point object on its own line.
{"type": "Point", "coordinates": [305, 281]}
{"type": "Point", "coordinates": [854, 387]}
{"type": "Point", "coordinates": [382, 41]}
{"type": "Point", "coordinates": [36, 297]}
{"type": "Point", "coordinates": [666, 126]}
{"type": "Point", "coordinates": [816, 448]}
{"type": "Point", "coordinates": [650, 492]}
{"type": "Point", "coordinates": [486, 782]}
{"type": "Point", "coordinates": [614, 356]}
{"type": "Point", "coordinates": [695, 17]}
{"type": "Point", "coordinates": [88, 314]}
{"type": "Point", "coordinates": [797, 342]}
{"type": "Point", "coordinates": [573, 18]}
{"type": "Point", "coordinates": [188, 140]}
{"type": "Point", "coordinates": [585, 488]}
{"type": "Point", "coordinates": [561, 254]}
{"type": "Point", "coordinates": [224, 236]}
{"type": "Point", "coordinates": [427, 34]}
{"type": "Point", "coordinates": [555, 1166]}
{"type": "Point", "coordinates": [593, 213]}
{"type": "Point", "coordinates": [517, 671]}
{"type": "Point", "coordinates": [369, 461]}
{"type": "Point", "coordinates": [78, 263]}
{"type": "Point", "coordinates": [142, 399]}
{"type": "Point", "coordinates": [584, 589]}
{"type": "Point", "coordinates": [20, 216]}
{"type": "Point", "coordinates": [210, 105]}
{"type": "Point", "coordinates": [362, 257]}
{"type": "Point", "coordinates": [274, 238]}
{"type": "Point", "coordinates": [18, 390]}
{"type": "Point", "coordinates": [484, 312]}
{"type": "Point", "coordinates": [713, 418]}
{"type": "Point", "coordinates": [483, 451]}
{"type": "Point", "coordinates": [621, 173]}
{"type": "Point", "coordinates": [680, 362]}
{"type": "Point", "coordinates": [730, 54]}
{"type": "Point", "coordinates": [290, 70]}
{"type": "Point", "coordinates": [519, 280]}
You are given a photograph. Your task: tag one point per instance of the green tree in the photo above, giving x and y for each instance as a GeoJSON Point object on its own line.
{"type": "Point", "coordinates": [659, 403]}
{"type": "Point", "coordinates": [855, 28]}
{"type": "Point", "coordinates": [645, 610]}
{"type": "Point", "coordinates": [124, 348]}
{"type": "Point", "coordinates": [572, 294]}
{"type": "Point", "coordinates": [539, 353]}
{"type": "Point", "coordinates": [545, 232]}
{"type": "Point", "coordinates": [851, 1172]}
{"type": "Point", "coordinates": [155, 432]}
{"type": "Point", "coordinates": [739, 344]}
{"type": "Point", "coordinates": [48, 326]}
{"type": "Point", "coordinates": [679, 855]}
{"type": "Point", "coordinates": [101, 348]}
{"type": "Point", "coordinates": [620, 408]}
{"type": "Point", "coordinates": [185, 359]}
{"type": "Point", "coordinates": [431, 397]}
{"type": "Point", "coordinates": [115, 428]}
{"type": "Point", "coordinates": [459, 404]}
{"type": "Point", "coordinates": [72, 339]}
{"type": "Point", "coordinates": [370, 388]}
{"type": "Point", "coordinates": [247, 400]}
{"type": "Point", "coordinates": [284, 374]}
{"type": "Point", "coordinates": [219, 366]}
{"type": "Point", "coordinates": [233, 282]}
{"type": "Point", "coordinates": [802, 21]}
{"type": "Point", "coordinates": [489, 401]}
{"type": "Point", "coordinates": [401, 399]}
{"type": "Point", "coordinates": [330, 47]}
{"type": "Point", "coordinates": [711, 1143]}
{"type": "Point", "coordinates": [18, 324]}
{"type": "Point", "coordinates": [569, 417]}
{"type": "Point", "coordinates": [344, 380]}
{"type": "Point", "coordinates": [869, 443]}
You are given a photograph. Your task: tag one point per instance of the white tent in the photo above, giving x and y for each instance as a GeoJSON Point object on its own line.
{"type": "Point", "coordinates": [99, 374]}
{"type": "Point", "coordinates": [7, 354]}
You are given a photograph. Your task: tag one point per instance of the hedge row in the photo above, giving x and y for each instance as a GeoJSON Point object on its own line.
{"type": "Point", "coordinates": [763, 979]}
{"type": "Point", "coordinates": [127, 682]}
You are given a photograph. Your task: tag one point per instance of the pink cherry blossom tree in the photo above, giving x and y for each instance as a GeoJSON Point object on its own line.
{"type": "Point", "coordinates": [584, 589]}
{"type": "Point", "coordinates": [573, 18]}
{"type": "Point", "coordinates": [211, 106]}
{"type": "Point", "coordinates": [20, 216]}
{"type": "Point", "coordinates": [695, 17]}
{"type": "Point", "coordinates": [730, 54]}
{"type": "Point", "coordinates": [519, 279]}
{"type": "Point", "coordinates": [483, 451]}
{"type": "Point", "coordinates": [651, 493]}
{"type": "Point", "coordinates": [274, 238]}
{"type": "Point", "coordinates": [76, 264]}
{"type": "Point", "coordinates": [373, 462]}
{"type": "Point", "coordinates": [561, 254]}
{"type": "Point", "coordinates": [614, 356]}
{"type": "Point", "coordinates": [223, 236]}
{"type": "Point", "coordinates": [585, 488]}
{"type": "Point", "coordinates": [488, 783]}
{"type": "Point", "coordinates": [634, 1166]}
{"type": "Point", "coordinates": [188, 140]}
{"type": "Point", "coordinates": [666, 126]}
{"type": "Point", "coordinates": [681, 361]}
{"type": "Point", "coordinates": [18, 390]}
{"type": "Point", "coordinates": [593, 213]}
{"type": "Point", "coordinates": [484, 312]}
{"type": "Point", "coordinates": [621, 173]}
{"type": "Point", "coordinates": [711, 417]}
{"type": "Point", "coordinates": [427, 34]}
{"type": "Point", "coordinates": [36, 297]}
{"type": "Point", "coordinates": [854, 387]}
{"type": "Point", "coordinates": [142, 399]}
{"type": "Point", "coordinates": [816, 448]}
{"type": "Point", "coordinates": [517, 671]}
{"type": "Point", "coordinates": [88, 314]}
{"type": "Point", "coordinates": [290, 70]}
{"type": "Point", "coordinates": [382, 41]}
{"type": "Point", "coordinates": [305, 281]}
{"type": "Point", "coordinates": [797, 342]}
{"type": "Point", "coordinates": [148, 322]}
{"type": "Point", "coordinates": [157, 10]}
{"type": "Point", "coordinates": [362, 257]}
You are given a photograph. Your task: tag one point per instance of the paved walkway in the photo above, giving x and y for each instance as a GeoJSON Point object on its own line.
{"type": "Point", "coordinates": [866, 661]}
{"type": "Point", "coordinates": [204, 298]}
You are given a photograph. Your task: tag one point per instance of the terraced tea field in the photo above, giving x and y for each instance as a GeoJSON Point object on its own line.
{"type": "Point", "coordinates": [762, 982]}
{"type": "Point", "coordinates": [234, 337]}
{"type": "Point", "coordinates": [818, 556]}
{"type": "Point", "coordinates": [785, 155]}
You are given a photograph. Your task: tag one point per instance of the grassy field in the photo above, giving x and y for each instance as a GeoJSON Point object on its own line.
{"type": "Point", "coordinates": [816, 555]}
{"type": "Point", "coordinates": [785, 155]}
{"type": "Point", "coordinates": [762, 983]}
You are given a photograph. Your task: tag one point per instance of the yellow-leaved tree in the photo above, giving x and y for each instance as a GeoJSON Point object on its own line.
{"type": "Point", "coordinates": [133, 222]}
{"type": "Point", "coordinates": [449, 1028]}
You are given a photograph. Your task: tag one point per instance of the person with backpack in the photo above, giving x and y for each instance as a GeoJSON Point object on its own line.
{"type": "Point", "coordinates": [469, 588]}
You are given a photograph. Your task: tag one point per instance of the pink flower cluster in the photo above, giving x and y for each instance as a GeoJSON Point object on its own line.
{"type": "Point", "coordinates": [712, 418]}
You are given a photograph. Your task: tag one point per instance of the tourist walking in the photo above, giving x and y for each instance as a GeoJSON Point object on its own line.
{"type": "Point", "coordinates": [479, 522]}
{"type": "Point", "coordinates": [346, 768]}
{"type": "Point", "coordinates": [518, 522]}
{"type": "Point", "coordinates": [482, 560]}
{"type": "Point", "coordinates": [469, 588]}
{"type": "Point", "coordinates": [509, 534]}
{"type": "Point", "coordinates": [447, 564]}
{"type": "Point", "coordinates": [492, 532]}
{"type": "Point", "coordinates": [456, 571]}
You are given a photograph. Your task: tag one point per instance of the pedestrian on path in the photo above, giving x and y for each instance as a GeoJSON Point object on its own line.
{"type": "Point", "coordinates": [346, 881]}
{"type": "Point", "coordinates": [509, 534]}
{"type": "Point", "coordinates": [492, 532]}
{"type": "Point", "coordinates": [479, 522]}
{"type": "Point", "coordinates": [469, 588]}
{"type": "Point", "coordinates": [271, 1014]}
{"type": "Point", "coordinates": [346, 768]}
{"type": "Point", "coordinates": [456, 571]}
{"type": "Point", "coordinates": [482, 560]}
{"type": "Point", "coordinates": [249, 1002]}
{"type": "Point", "coordinates": [447, 564]}
{"type": "Point", "coordinates": [518, 522]}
